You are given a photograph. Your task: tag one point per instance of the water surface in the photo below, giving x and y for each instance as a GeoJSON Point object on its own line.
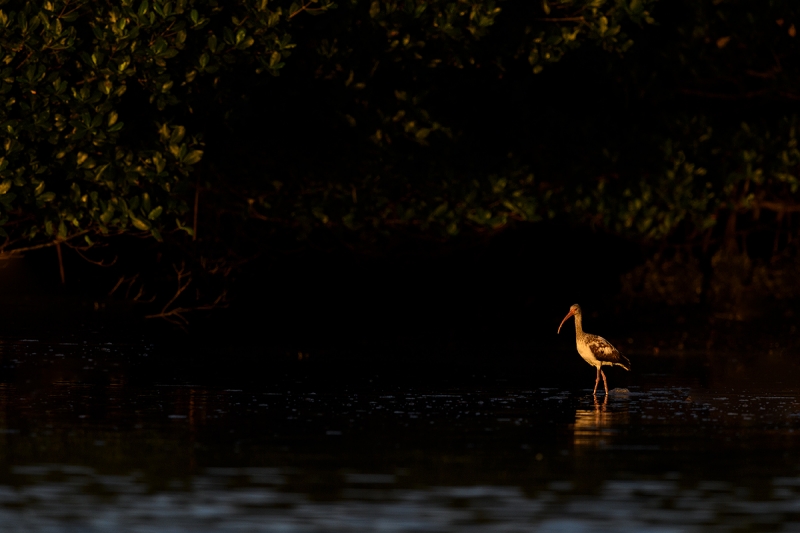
{"type": "Point", "coordinates": [97, 437]}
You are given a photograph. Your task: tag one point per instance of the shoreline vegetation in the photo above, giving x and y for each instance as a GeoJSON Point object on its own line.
{"type": "Point", "coordinates": [182, 149]}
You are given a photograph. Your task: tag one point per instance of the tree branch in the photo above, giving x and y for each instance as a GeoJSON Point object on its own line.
{"type": "Point", "coordinates": [564, 19]}
{"type": "Point", "coordinates": [5, 254]}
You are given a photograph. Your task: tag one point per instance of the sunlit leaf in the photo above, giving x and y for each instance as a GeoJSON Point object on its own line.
{"type": "Point", "coordinates": [193, 157]}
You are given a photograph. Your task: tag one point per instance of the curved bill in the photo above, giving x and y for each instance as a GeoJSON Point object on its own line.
{"type": "Point", "coordinates": [571, 312]}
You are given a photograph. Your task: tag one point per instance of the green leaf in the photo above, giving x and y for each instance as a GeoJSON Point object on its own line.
{"type": "Point", "coordinates": [184, 228]}
{"type": "Point", "coordinates": [193, 157]}
{"type": "Point", "coordinates": [7, 199]}
{"type": "Point", "coordinates": [159, 162]}
{"type": "Point", "coordinates": [178, 132]}
{"type": "Point", "coordinates": [274, 59]}
{"type": "Point", "coordinates": [138, 223]}
{"type": "Point", "coordinates": [439, 210]}
{"type": "Point", "coordinates": [105, 218]}
{"type": "Point", "coordinates": [159, 46]}
{"type": "Point", "coordinates": [317, 212]}
{"type": "Point", "coordinates": [155, 213]}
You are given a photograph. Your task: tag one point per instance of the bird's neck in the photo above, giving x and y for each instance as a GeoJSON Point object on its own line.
{"type": "Point", "coordinates": [578, 325]}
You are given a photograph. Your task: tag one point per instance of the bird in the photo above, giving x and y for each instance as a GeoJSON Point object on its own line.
{"type": "Point", "coordinates": [595, 350]}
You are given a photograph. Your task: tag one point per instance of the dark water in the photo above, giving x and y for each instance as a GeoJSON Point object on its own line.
{"type": "Point", "coordinates": [105, 437]}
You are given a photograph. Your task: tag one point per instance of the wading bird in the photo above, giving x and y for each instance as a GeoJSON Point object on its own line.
{"type": "Point", "coordinates": [595, 350]}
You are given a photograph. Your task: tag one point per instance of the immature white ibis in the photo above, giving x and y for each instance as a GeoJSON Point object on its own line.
{"type": "Point", "coordinates": [595, 350]}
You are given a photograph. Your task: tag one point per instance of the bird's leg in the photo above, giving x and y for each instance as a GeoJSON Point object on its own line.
{"type": "Point", "coordinates": [596, 381]}
{"type": "Point", "coordinates": [605, 383]}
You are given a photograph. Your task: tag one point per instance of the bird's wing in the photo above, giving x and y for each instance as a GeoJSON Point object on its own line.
{"type": "Point", "coordinates": [603, 351]}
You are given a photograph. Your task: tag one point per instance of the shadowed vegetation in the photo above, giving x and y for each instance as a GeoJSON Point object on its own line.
{"type": "Point", "coordinates": [186, 138]}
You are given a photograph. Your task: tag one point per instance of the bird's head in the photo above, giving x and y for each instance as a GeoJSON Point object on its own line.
{"type": "Point", "coordinates": [575, 309]}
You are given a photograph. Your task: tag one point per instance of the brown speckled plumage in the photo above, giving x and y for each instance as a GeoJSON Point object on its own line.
{"type": "Point", "coordinates": [595, 350]}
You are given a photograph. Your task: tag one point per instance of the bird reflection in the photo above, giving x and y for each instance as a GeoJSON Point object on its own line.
{"type": "Point", "coordinates": [597, 426]}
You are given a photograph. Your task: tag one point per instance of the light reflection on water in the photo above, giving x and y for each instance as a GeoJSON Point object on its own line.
{"type": "Point", "coordinates": [86, 501]}
{"type": "Point", "coordinates": [85, 447]}
{"type": "Point", "coordinates": [595, 427]}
